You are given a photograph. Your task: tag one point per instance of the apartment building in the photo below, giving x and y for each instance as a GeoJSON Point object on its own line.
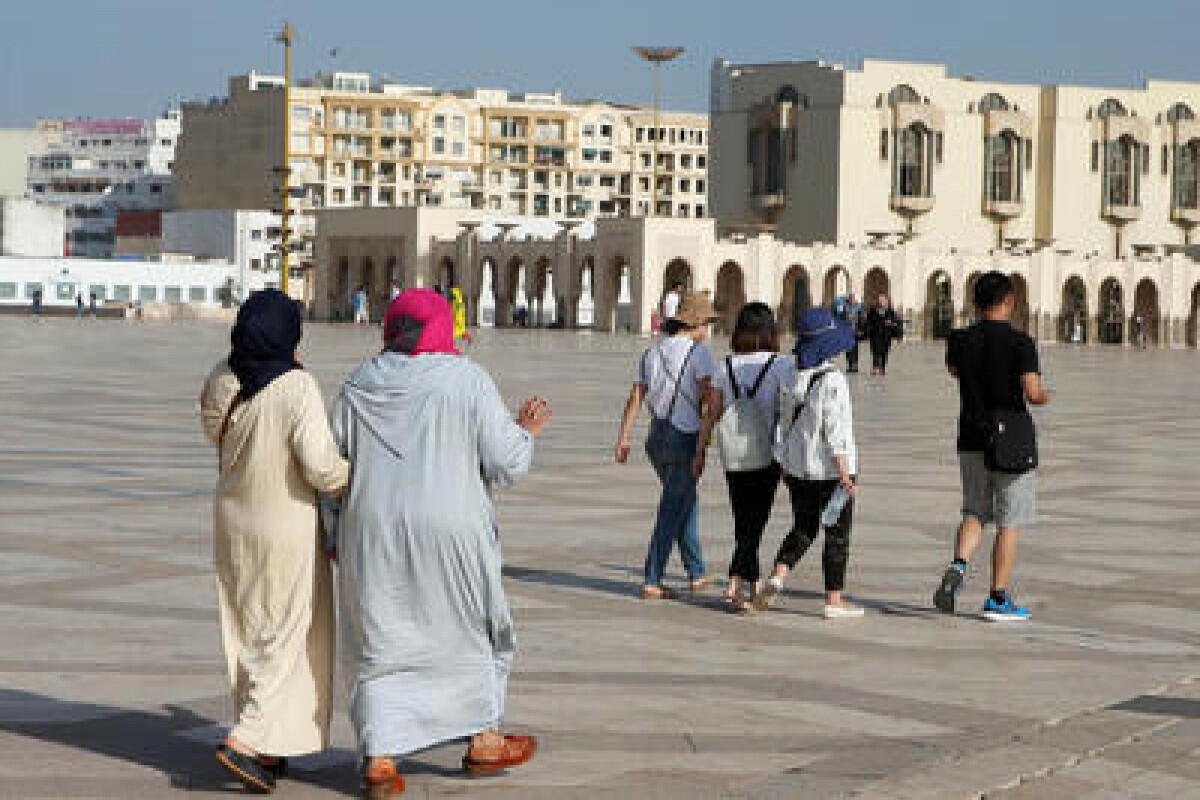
{"type": "Point", "coordinates": [359, 142]}
{"type": "Point", "coordinates": [95, 169]}
{"type": "Point", "coordinates": [853, 156]}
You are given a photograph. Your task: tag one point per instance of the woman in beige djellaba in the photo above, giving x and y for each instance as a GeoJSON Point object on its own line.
{"type": "Point", "coordinates": [266, 417]}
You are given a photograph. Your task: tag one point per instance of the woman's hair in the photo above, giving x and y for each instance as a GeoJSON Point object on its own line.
{"type": "Point", "coordinates": [755, 330]}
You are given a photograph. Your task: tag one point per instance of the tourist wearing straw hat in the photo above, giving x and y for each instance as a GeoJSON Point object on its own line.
{"type": "Point", "coordinates": [675, 379]}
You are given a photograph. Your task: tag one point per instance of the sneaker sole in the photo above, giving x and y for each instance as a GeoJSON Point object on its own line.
{"type": "Point", "coordinates": [993, 616]}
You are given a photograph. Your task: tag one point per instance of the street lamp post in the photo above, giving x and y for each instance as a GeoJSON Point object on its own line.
{"type": "Point", "coordinates": [285, 37]}
{"type": "Point", "coordinates": [656, 56]}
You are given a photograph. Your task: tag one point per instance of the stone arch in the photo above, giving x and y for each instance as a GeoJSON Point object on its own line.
{"type": "Point", "coordinates": [487, 294]}
{"type": "Point", "coordinates": [939, 305]}
{"type": "Point", "coordinates": [374, 301]}
{"type": "Point", "coordinates": [1020, 315]}
{"type": "Point", "coordinates": [541, 287]}
{"type": "Point", "coordinates": [875, 283]}
{"type": "Point", "coordinates": [1111, 312]}
{"type": "Point", "coordinates": [836, 284]}
{"type": "Point", "coordinates": [447, 278]}
{"type": "Point", "coordinates": [968, 315]}
{"type": "Point", "coordinates": [340, 300]}
{"type": "Point", "coordinates": [731, 295]}
{"type": "Point", "coordinates": [1192, 331]}
{"type": "Point", "coordinates": [1073, 316]}
{"type": "Point", "coordinates": [678, 270]}
{"type": "Point", "coordinates": [796, 297]}
{"type": "Point", "coordinates": [615, 295]}
{"type": "Point", "coordinates": [1146, 309]}
{"type": "Point", "coordinates": [512, 307]}
{"type": "Point", "coordinates": [585, 300]}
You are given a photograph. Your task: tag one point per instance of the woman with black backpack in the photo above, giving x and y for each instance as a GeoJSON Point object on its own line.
{"type": "Point", "coordinates": [749, 382]}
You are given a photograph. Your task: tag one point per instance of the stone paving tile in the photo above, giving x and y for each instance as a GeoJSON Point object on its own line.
{"type": "Point", "coordinates": [110, 666]}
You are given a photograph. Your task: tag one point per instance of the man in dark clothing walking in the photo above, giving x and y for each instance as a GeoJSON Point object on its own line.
{"type": "Point", "coordinates": [851, 312]}
{"type": "Point", "coordinates": [997, 371]}
{"type": "Point", "coordinates": [881, 328]}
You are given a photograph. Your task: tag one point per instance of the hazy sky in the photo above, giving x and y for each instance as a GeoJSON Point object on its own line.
{"type": "Point", "coordinates": [104, 58]}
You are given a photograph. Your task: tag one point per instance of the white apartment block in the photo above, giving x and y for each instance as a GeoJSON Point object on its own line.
{"type": "Point", "coordinates": [357, 142]}
{"type": "Point", "coordinates": [95, 168]}
{"type": "Point", "coordinates": [852, 156]}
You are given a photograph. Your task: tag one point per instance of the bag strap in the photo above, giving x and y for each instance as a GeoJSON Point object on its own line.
{"type": "Point", "coordinates": [813, 382]}
{"type": "Point", "coordinates": [732, 379]}
{"type": "Point", "coordinates": [678, 379]}
{"type": "Point", "coordinates": [762, 376]}
{"type": "Point", "coordinates": [233, 406]}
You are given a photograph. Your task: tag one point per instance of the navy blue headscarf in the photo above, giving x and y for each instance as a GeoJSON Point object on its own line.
{"type": "Point", "coordinates": [264, 340]}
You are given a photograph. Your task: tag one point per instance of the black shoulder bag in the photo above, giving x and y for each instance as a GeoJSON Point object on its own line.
{"type": "Point", "coordinates": [1011, 442]}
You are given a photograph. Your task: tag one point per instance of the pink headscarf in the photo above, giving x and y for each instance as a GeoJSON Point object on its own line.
{"type": "Point", "coordinates": [418, 322]}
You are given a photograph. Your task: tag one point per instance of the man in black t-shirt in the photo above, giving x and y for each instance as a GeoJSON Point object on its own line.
{"type": "Point", "coordinates": [997, 371]}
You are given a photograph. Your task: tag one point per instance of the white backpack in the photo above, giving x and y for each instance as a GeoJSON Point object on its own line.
{"type": "Point", "coordinates": [744, 434]}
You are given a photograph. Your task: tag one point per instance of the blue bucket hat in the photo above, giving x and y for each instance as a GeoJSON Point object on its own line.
{"type": "Point", "coordinates": [820, 337]}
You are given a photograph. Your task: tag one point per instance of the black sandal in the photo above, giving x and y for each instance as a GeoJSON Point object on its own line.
{"type": "Point", "coordinates": [246, 768]}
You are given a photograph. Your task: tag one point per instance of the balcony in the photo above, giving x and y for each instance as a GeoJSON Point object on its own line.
{"type": "Point", "coordinates": [912, 204]}
{"type": "Point", "coordinates": [1003, 208]}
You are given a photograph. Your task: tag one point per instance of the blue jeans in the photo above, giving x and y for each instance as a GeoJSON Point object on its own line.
{"type": "Point", "coordinates": [671, 453]}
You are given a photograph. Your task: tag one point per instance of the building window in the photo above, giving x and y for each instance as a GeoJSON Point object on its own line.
{"type": "Point", "coordinates": [174, 294]}
{"type": "Point", "coordinates": [1145, 159]}
{"type": "Point", "coordinates": [993, 102]}
{"type": "Point", "coordinates": [589, 131]}
{"type": "Point", "coordinates": [122, 293]}
{"type": "Point", "coordinates": [912, 175]}
{"type": "Point", "coordinates": [1095, 156]}
{"type": "Point", "coordinates": [606, 156]}
{"type": "Point", "coordinates": [8, 291]}
{"type": "Point", "coordinates": [1111, 108]}
{"type": "Point", "coordinates": [439, 122]}
{"type": "Point", "coordinates": [147, 294]}
{"type": "Point", "coordinates": [1028, 154]}
{"type": "Point", "coordinates": [883, 144]}
{"type": "Point", "coordinates": [99, 290]}
{"type": "Point", "coordinates": [1122, 173]}
{"type": "Point", "coordinates": [459, 149]}
{"type": "Point", "coordinates": [198, 294]}
{"type": "Point", "coordinates": [903, 94]}
{"type": "Point", "coordinates": [1002, 171]}
{"type": "Point", "coordinates": [938, 146]}
{"type": "Point", "coordinates": [701, 161]}
{"type": "Point", "coordinates": [1185, 191]}
{"type": "Point", "coordinates": [31, 289]}
{"type": "Point", "coordinates": [458, 125]}
{"type": "Point", "coordinates": [606, 131]}
{"type": "Point", "coordinates": [439, 145]}
{"type": "Point", "coordinates": [256, 263]}
{"type": "Point", "coordinates": [589, 154]}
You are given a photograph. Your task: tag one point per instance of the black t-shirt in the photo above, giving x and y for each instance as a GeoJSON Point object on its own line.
{"type": "Point", "coordinates": [990, 358]}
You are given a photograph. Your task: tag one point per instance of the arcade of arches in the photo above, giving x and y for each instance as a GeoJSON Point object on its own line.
{"type": "Point", "coordinates": [615, 279]}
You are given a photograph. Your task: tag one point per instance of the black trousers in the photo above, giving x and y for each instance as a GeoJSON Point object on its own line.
{"type": "Point", "coordinates": [852, 358]}
{"type": "Point", "coordinates": [809, 499]}
{"type": "Point", "coordinates": [879, 354]}
{"type": "Point", "coordinates": [751, 495]}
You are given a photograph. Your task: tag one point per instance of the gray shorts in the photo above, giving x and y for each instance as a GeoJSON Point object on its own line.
{"type": "Point", "coordinates": [1009, 500]}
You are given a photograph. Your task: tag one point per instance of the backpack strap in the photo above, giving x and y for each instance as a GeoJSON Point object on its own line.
{"type": "Point", "coordinates": [678, 379]}
{"type": "Point", "coordinates": [762, 376]}
{"type": "Point", "coordinates": [233, 406]}
{"type": "Point", "coordinates": [813, 382]}
{"type": "Point", "coordinates": [733, 379]}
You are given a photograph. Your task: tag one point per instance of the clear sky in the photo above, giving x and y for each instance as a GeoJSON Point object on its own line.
{"type": "Point", "coordinates": [103, 58]}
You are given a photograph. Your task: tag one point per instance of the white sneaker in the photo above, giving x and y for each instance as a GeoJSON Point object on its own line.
{"type": "Point", "coordinates": [770, 590]}
{"type": "Point", "coordinates": [844, 612]}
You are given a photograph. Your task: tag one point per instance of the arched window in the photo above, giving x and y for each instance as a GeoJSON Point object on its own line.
{"type": "Point", "coordinates": [1185, 183]}
{"type": "Point", "coordinates": [1003, 157]}
{"type": "Point", "coordinates": [1122, 172]}
{"type": "Point", "coordinates": [912, 175]}
{"type": "Point", "coordinates": [903, 94]}
{"type": "Point", "coordinates": [787, 95]}
{"type": "Point", "coordinates": [1179, 112]}
{"type": "Point", "coordinates": [993, 102]}
{"type": "Point", "coordinates": [1111, 108]}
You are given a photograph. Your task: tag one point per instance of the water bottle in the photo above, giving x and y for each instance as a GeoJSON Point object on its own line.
{"type": "Point", "coordinates": [833, 509]}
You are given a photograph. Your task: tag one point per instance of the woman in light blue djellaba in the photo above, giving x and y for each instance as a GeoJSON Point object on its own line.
{"type": "Point", "coordinates": [428, 638]}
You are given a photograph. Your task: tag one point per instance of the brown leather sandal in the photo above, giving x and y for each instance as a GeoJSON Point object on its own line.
{"type": "Point", "coordinates": [516, 750]}
{"type": "Point", "coordinates": [381, 779]}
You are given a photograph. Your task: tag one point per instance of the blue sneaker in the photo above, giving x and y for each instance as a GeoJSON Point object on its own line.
{"type": "Point", "coordinates": [1008, 611]}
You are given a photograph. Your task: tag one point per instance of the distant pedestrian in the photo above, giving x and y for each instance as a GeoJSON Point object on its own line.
{"type": "Point", "coordinates": [819, 457]}
{"type": "Point", "coordinates": [881, 328]}
{"type": "Point", "coordinates": [361, 305]}
{"type": "Point", "coordinates": [36, 308]}
{"type": "Point", "coordinates": [393, 291]}
{"type": "Point", "coordinates": [997, 371]}
{"type": "Point", "coordinates": [1139, 331]}
{"type": "Point", "coordinates": [461, 333]}
{"type": "Point", "coordinates": [79, 306]}
{"type": "Point", "coordinates": [92, 299]}
{"type": "Point", "coordinates": [749, 383]}
{"type": "Point", "coordinates": [850, 311]}
{"type": "Point", "coordinates": [675, 379]}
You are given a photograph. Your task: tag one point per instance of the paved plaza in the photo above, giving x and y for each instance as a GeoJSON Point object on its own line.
{"type": "Point", "coordinates": [112, 678]}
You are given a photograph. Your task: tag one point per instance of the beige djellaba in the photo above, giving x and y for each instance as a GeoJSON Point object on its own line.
{"type": "Point", "coordinates": [274, 583]}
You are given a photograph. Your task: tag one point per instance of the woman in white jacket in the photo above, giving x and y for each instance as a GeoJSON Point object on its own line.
{"type": "Point", "coordinates": [816, 449]}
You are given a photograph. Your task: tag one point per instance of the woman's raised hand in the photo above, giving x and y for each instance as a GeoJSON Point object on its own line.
{"type": "Point", "coordinates": [533, 416]}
